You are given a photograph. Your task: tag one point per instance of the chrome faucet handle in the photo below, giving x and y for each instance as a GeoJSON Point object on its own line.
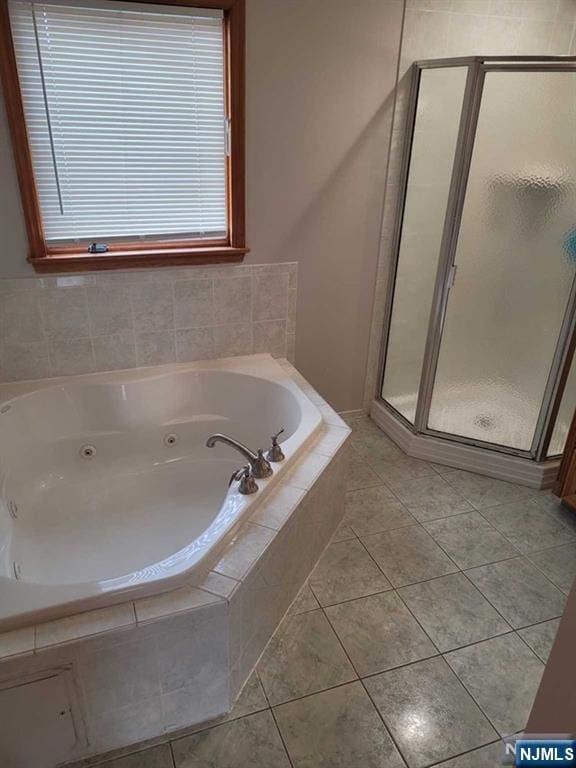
{"type": "Point", "coordinates": [246, 481]}
{"type": "Point", "coordinates": [261, 467]}
{"type": "Point", "coordinates": [275, 453]}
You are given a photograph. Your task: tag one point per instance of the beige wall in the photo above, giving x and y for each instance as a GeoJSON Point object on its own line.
{"type": "Point", "coordinates": [320, 78]}
{"type": "Point", "coordinates": [320, 83]}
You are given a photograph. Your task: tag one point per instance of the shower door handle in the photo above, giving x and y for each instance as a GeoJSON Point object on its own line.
{"type": "Point", "coordinates": [452, 276]}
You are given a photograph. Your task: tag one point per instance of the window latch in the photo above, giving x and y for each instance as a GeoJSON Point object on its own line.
{"type": "Point", "coordinates": [227, 136]}
{"type": "Point", "coordinates": [97, 248]}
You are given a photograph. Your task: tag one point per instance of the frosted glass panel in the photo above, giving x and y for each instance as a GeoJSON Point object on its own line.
{"type": "Point", "coordinates": [565, 413]}
{"type": "Point", "coordinates": [434, 142]}
{"type": "Point", "coordinates": [514, 259]}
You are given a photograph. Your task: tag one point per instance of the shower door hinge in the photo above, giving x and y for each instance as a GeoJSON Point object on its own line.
{"type": "Point", "coordinates": [452, 276]}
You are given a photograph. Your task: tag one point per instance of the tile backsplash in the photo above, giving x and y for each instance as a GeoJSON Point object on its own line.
{"type": "Point", "coordinates": [58, 326]}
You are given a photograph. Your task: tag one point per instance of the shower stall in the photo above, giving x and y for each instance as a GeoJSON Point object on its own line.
{"type": "Point", "coordinates": [481, 320]}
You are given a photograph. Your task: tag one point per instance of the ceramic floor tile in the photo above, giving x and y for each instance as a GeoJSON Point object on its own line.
{"type": "Point", "coordinates": [550, 501]}
{"type": "Point", "coordinates": [558, 564]}
{"type": "Point", "coordinates": [503, 676]}
{"type": "Point", "coordinates": [305, 601]}
{"type": "Point", "coordinates": [303, 657]}
{"type": "Point", "coordinates": [346, 571]}
{"type": "Point", "coordinates": [530, 526]}
{"type": "Point", "coordinates": [339, 728]}
{"type": "Point", "coordinates": [343, 532]}
{"type": "Point", "coordinates": [251, 699]}
{"type": "Point", "coordinates": [252, 740]}
{"type": "Point", "coordinates": [429, 713]}
{"type": "Point", "coordinates": [541, 637]}
{"type": "Point", "coordinates": [402, 471]}
{"type": "Point", "coordinates": [155, 757]}
{"type": "Point", "coordinates": [373, 447]}
{"type": "Point", "coordinates": [485, 757]}
{"type": "Point", "coordinates": [518, 591]}
{"type": "Point", "coordinates": [359, 474]}
{"type": "Point", "coordinates": [362, 426]}
{"type": "Point", "coordinates": [470, 540]}
{"type": "Point", "coordinates": [483, 492]}
{"type": "Point", "coordinates": [379, 633]}
{"type": "Point", "coordinates": [372, 510]}
{"type": "Point", "coordinates": [407, 555]}
{"type": "Point", "coordinates": [431, 497]}
{"type": "Point", "coordinates": [453, 612]}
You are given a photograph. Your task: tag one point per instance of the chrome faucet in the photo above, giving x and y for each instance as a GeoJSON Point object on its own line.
{"type": "Point", "coordinates": [259, 465]}
{"type": "Point", "coordinates": [245, 480]}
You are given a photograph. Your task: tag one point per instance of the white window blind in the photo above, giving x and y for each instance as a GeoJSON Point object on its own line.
{"type": "Point", "coordinates": [125, 112]}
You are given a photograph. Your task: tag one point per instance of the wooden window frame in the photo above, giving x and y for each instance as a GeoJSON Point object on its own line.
{"type": "Point", "coordinates": [137, 255]}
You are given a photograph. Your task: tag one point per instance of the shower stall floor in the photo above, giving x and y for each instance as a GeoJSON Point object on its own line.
{"type": "Point", "coordinates": [492, 414]}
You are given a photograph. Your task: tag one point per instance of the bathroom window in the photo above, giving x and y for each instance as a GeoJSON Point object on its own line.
{"type": "Point", "coordinates": [127, 122]}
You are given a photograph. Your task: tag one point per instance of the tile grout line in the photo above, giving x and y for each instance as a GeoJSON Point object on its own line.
{"type": "Point", "coordinates": [271, 709]}
{"type": "Point", "coordinates": [439, 764]}
{"type": "Point", "coordinates": [172, 755]}
{"type": "Point", "coordinates": [474, 509]}
{"type": "Point", "coordinates": [480, 510]}
{"type": "Point", "coordinates": [439, 655]}
{"type": "Point", "coordinates": [512, 630]}
{"type": "Point", "coordinates": [280, 734]}
{"type": "Point", "coordinates": [360, 680]}
{"type": "Point", "coordinates": [381, 716]}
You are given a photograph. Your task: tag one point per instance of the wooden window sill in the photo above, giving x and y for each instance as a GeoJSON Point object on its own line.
{"type": "Point", "coordinates": [137, 259]}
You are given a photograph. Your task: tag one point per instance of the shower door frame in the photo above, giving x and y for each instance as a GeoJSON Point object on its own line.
{"type": "Point", "coordinates": [478, 67]}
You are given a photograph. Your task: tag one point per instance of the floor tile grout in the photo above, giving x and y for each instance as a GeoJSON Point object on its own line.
{"type": "Point", "coordinates": [395, 590]}
{"type": "Point", "coordinates": [281, 737]}
{"type": "Point", "coordinates": [172, 755]}
{"type": "Point", "coordinates": [479, 511]}
{"type": "Point", "coordinates": [388, 731]}
{"type": "Point", "coordinates": [438, 764]}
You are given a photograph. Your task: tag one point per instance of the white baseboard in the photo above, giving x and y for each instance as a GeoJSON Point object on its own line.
{"type": "Point", "coordinates": [501, 466]}
{"type": "Point", "coordinates": [352, 414]}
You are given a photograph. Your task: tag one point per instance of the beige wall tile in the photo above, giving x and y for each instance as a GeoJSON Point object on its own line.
{"type": "Point", "coordinates": [115, 352]}
{"type": "Point", "coordinates": [65, 312]}
{"type": "Point", "coordinates": [270, 336]}
{"type": "Point", "coordinates": [109, 309]}
{"type": "Point", "coordinates": [25, 360]}
{"type": "Point", "coordinates": [71, 357]}
{"type": "Point", "coordinates": [193, 303]}
{"type": "Point", "coordinates": [20, 318]}
{"type": "Point", "coordinates": [152, 306]}
{"type": "Point", "coordinates": [195, 344]}
{"type": "Point", "coordinates": [232, 300]}
{"type": "Point", "coordinates": [233, 339]}
{"type": "Point", "coordinates": [270, 296]}
{"type": "Point", "coordinates": [155, 348]}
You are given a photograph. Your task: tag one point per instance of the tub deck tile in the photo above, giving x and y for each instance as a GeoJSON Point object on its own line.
{"type": "Point", "coordinates": [247, 546]}
{"type": "Point", "coordinates": [16, 642]}
{"type": "Point", "coordinates": [83, 625]}
{"type": "Point", "coordinates": [183, 599]}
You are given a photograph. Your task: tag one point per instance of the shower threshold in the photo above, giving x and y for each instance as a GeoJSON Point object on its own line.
{"type": "Point", "coordinates": [483, 461]}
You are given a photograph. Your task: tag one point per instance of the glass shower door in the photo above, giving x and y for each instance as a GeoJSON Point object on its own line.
{"type": "Point", "coordinates": [434, 138]}
{"type": "Point", "coordinates": [515, 261]}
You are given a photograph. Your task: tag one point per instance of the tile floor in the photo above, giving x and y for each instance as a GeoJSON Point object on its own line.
{"type": "Point", "coordinates": [419, 639]}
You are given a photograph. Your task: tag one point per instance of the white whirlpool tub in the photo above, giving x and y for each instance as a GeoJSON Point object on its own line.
{"type": "Point", "coordinates": [152, 503]}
